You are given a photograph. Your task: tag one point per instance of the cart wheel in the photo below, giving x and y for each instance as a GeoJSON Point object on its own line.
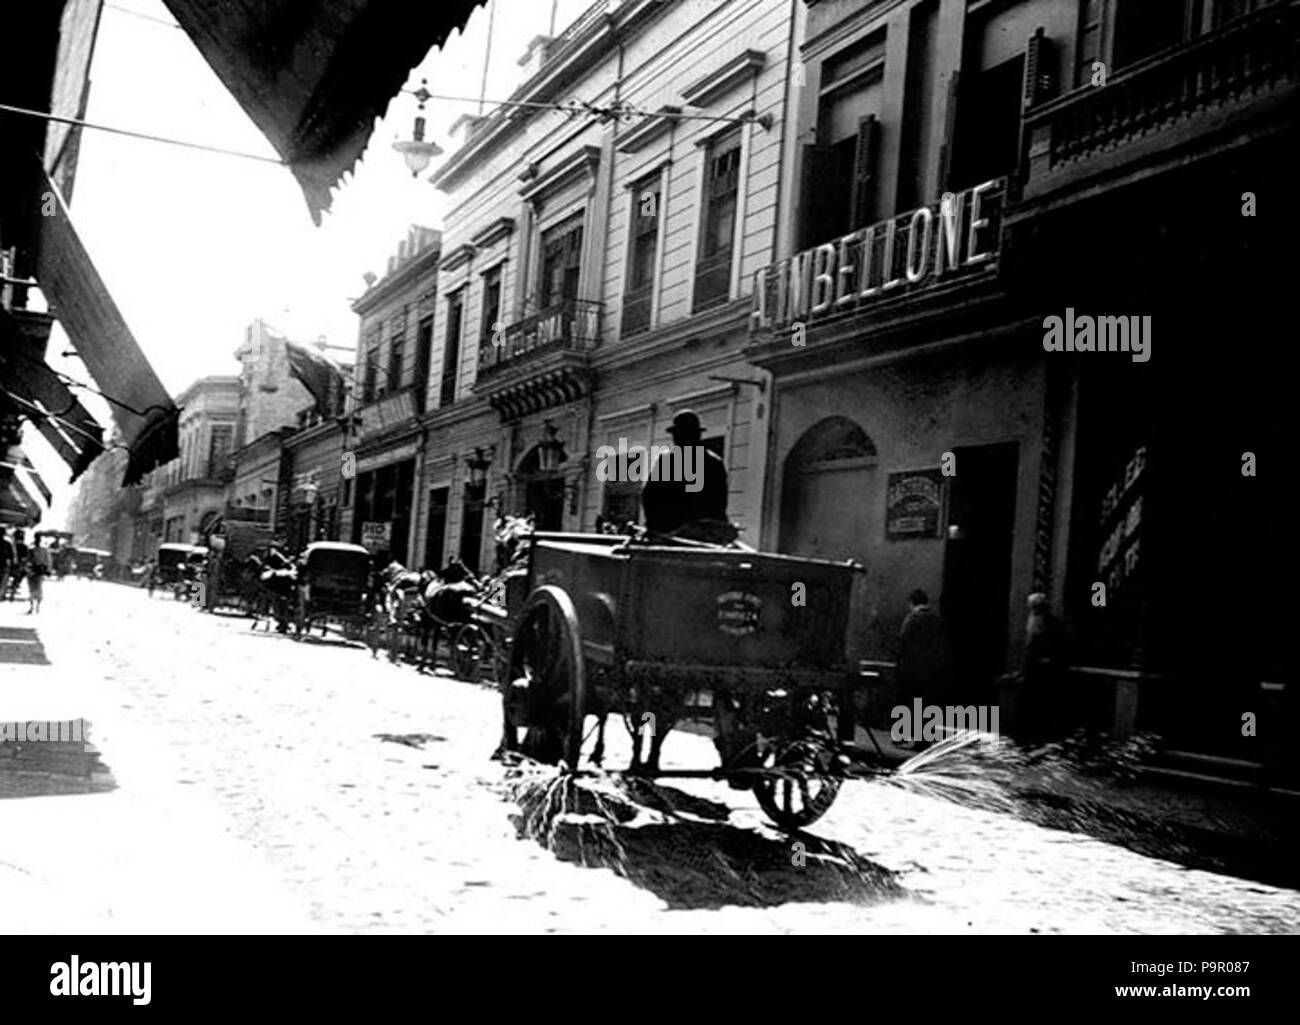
{"type": "Point", "coordinates": [473, 655]}
{"type": "Point", "coordinates": [545, 693]}
{"type": "Point", "coordinates": [801, 797]}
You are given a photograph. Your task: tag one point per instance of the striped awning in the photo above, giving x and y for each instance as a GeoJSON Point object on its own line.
{"type": "Point", "coordinates": [315, 76]}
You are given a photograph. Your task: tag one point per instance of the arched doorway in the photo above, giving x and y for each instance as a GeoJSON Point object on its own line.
{"type": "Point", "coordinates": [540, 487]}
{"type": "Point", "coordinates": [827, 491]}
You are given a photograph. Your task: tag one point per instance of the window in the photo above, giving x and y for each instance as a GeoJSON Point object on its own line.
{"type": "Point", "coordinates": [219, 443]}
{"type": "Point", "coordinates": [451, 351]}
{"type": "Point", "coordinates": [718, 225]}
{"type": "Point", "coordinates": [491, 305]}
{"type": "Point", "coordinates": [423, 357]}
{"type": "Point", "coordinates": [643, 245]}
{"type": "Point", "coordinates": [396, 350]}
{"type": "Point", "coordinates": [370, 366]}
{"type": "Point", "coordinates": [986, 141]}
{"type": "Point", "coordinates": [437, 532]}
{"type": "Point", "coordinates": [561, 262]}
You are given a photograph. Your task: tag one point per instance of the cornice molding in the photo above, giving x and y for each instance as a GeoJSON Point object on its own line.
{"type": "Point", "coordinates": [501, 228]}
{"type": "Point", "coordinates": [582, 161]}
{"type": "Point", "coordinates": [649, 128]}
{"type": "Point", "coordinates": [461, 254]}
{"type": "Point", "coordinates": [725, 78]}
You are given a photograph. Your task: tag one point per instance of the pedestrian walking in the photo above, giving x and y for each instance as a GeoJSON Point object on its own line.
{"type": "Point", "coordinates": [40, 566]}
{"type": "Point", "coordinates": [923, 660]}
{"type": "Point", "coordinates": [7, 557]}
{"type": "Point", "coordinates": [1040, 678]}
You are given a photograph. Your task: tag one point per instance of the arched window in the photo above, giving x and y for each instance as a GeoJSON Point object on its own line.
{"type": "Point", "coordinates": [834, 440]}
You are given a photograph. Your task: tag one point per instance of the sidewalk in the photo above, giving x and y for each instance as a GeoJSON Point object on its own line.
{"type": "Point", "coordinates": [115, 842]}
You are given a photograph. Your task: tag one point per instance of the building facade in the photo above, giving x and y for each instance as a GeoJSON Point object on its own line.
{"type": "Point", "coordinates": [595, 269]}
{"type": "Point", "coordinates": [976, 183]}
{"type": "Point", "coordinates": [194, 493]}
{"type": "Point", "coordinates": [391, 392]}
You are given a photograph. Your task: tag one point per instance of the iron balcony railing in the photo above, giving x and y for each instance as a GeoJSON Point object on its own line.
{"type": "Point", "coordinates": [1243, 61]}
{"type": "Point", "coordinates": [571, 325]}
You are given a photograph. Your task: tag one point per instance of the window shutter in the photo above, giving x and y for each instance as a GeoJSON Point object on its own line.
{"type": "Point", "coordinates": [947, 163]}
{"type": "Point", "coordinates": [1039, 80]}
{"type": "Point", "coordinates": [864, 171]}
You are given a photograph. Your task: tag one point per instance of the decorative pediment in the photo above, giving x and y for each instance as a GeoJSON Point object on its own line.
{"type": "Point", "coordinates": [501, 228]}
{"type": "Point", "coordinates": [459, 255]}
{"type": "Point", "coordinates": [581, 162]}
{"type": "Point", "coordinates": [736, 71]}
{"type": "Point", "coordinates": [649, 128]}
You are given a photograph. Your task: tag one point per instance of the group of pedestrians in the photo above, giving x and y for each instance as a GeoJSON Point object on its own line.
{"type": "Point", "coordinates": [926, 670]}
{"type": "Point", "coordinates": [20, 562]}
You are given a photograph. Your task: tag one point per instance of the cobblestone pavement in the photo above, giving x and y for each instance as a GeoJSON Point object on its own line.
{"type": "Point", "coordinates": [264, 784]}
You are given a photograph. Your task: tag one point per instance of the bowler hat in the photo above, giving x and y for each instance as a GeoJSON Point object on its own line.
{"type": "Point", "coordinates": [686, 422]}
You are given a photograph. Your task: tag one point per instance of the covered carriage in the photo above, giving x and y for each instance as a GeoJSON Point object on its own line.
{"type": "Point", "coordinates": [334, 588]}
{"type": "Point", "coordinates": [180, 566]}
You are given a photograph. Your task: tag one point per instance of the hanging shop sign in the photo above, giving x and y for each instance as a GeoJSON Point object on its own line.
{"type": "Point", "coordinates": [376, 534]}
{"type": "Point", "coordinates": [1121, 524]}
{"type": "Point", "coordinates": [914, 504]}
{"type": "Point", "coordinates": [958, 235]}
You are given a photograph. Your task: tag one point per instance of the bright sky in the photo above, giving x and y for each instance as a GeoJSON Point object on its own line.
{"type": "Point", "coordinates": [193, 246]}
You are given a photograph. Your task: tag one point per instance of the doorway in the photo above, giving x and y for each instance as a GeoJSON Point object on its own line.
{"type": "Point", "coordinates": [977, 566]}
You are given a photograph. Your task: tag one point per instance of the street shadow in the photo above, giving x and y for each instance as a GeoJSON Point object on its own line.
{"type": "Point", "coordinates": [42, 767]}
{"type": "Point", "coordinates": [21, 645]}
{"type": "Point", "coordinates": [692, 862]}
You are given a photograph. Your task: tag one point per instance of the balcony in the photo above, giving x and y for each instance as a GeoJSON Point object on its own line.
{"type": "Point", "coordinates": [541, 359]}
{"type": "Point", "coordinates": [1204, 94]}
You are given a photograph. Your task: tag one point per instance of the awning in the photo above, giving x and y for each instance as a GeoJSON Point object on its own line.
{"type": "Point", "coordinates": [145, 414]}
{"type": "Point", "coordinates": [20, 485]}
{"type": "Point", "coordinates": [319, 375]}
{"type": "Point", "coordinates": [314, 77]}
{"type": "Point", "coordinates": [38, 394]}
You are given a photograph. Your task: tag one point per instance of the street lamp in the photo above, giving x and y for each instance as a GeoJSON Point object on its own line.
{"type": "Point", "coordinates": [550, 450]}
{"type": "Point", "coordinates": [478, 468]}
{"type": "Point", "coordinates": [416, 151]}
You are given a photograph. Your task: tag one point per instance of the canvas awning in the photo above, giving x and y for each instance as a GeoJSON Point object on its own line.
{"type": "Point", "coordinates": [144, 412]}
{"type": "Point", "coordinates": [20, 485]}
{"type": "Point", "coordinates": [38, 394]}
{"type": "Point", "coordinates": [314, 77]}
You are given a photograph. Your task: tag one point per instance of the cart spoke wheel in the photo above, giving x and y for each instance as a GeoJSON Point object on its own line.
{"type": "Point", "coordinates": [471, 653]}
{"type": "Point", "coordinates": [545, 690]}
{"type": "Point", "coordinates": [797, 796]}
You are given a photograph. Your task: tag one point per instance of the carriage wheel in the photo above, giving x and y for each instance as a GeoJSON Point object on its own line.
{"type": "Point", "coordinates": [471, 652]}
{"type": "Point", "coordinates": [545, 689]}
{"type": "Point", "coordinates": [803, 795]}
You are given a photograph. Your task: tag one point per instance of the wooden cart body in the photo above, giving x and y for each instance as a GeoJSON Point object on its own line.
{"type": "Point", "coordinates": [617, 625]}
{"type": "Point", "coordinates": [334, 580]}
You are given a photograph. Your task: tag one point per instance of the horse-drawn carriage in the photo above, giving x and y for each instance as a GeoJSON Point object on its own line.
{"type": "Point", "coordinates": [235, 565]}
{"type": "Point", "coordinates": [616, 625]}
{"type": "Point", "coordinates": [334, 587]}
{"type": "Point", "coordinates": [180, 567]}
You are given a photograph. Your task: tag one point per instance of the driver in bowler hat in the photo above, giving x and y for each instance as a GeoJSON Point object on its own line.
{"type": "Point", "coordinates": [669, 506]}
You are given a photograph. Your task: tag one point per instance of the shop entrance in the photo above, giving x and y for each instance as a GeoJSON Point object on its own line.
{"type": "Point", "coordinates": [977, 566]}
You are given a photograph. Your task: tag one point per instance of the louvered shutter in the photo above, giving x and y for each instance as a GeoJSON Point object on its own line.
{"type": "Point", "coordinates": [1038, 81]}
{"type": "Point", "coordinates": [864, 172]}
{"type": "Point", "coordinates": [947, 155]}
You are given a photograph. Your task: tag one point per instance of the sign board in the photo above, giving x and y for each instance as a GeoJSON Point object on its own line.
{"type": "Point", "coordinates": [1121, 522]}
{"type": "Point", "coordinates": [376, 535]}
{"type": "Point", "coordinates": [957, 236]}
{"type": "Point", "coordinates": [914, 504]}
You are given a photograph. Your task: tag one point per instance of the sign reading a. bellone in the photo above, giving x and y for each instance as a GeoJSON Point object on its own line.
{"type": "Point", "coordinates": [957, 235]}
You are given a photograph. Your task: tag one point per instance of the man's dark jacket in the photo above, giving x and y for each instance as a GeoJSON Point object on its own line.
{"type": "Point", "coordinates": [669, 505]}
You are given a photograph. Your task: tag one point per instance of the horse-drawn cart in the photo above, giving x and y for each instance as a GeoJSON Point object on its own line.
{"type": "Point", "coordinates": [334, 586]}
{"type": "Point", "coordinates": [613, 625]}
